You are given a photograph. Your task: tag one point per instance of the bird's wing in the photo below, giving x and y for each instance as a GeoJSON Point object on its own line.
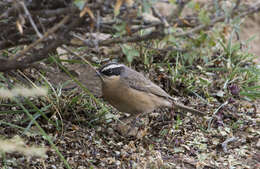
{"type": "Point", "coordinates": [137, 81]}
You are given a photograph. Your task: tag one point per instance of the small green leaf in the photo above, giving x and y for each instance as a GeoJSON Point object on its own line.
{"type": "Point", "coordinates": [146, 6]}
{"type": "Point", "coordinates": [80, 3]}
{"type": "Point", "coordinates": [172, 1]}
{"type": "Point", "coordinates": [194, 5]}
{"type": "Point", "coordinates": [130, 52]}
{"type": "Point", "coordinates": [151, 147]}
{"type": "Point", "coordinates": [203, 17]}
{"type": "Point", "coordinates": [121, 29]}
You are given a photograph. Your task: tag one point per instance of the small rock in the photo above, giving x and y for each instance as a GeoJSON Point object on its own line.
{"type": "Point", "coordinates": [110, 131]}
{"type": "Point", "coordinates": [117, 162]}
{"type": "Point", "coordinates": [95, 59]}
{"type": "Point", "coordinates": [258, 143]}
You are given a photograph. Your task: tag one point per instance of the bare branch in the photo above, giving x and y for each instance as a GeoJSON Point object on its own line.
{"type": "Point", "coordinates": [225, 143]}
{"type": "Point", "coordinates": [181, 5]}
{"type": "Point", "coordinates": [236, 7]}
{"type": "Point", "coordinates": [6, 65]}
{"type": "Point", "coordinates": [162, 19]}
{"type": "Point", "coordinates": [30, 18]}
{"type": "Point", "coordinates": [49, 32]}
{"type": "Point", "coordinates": [155, 34]}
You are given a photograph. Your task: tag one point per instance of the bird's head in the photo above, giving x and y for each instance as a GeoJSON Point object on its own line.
{"type": "Point", "coordinates": [111, 70]}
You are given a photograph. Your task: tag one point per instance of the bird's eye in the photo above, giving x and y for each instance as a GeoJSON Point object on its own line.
{"type": "Point", "coordinates": [113, 72]}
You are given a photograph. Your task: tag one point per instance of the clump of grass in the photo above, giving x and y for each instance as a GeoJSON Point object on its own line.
{"type": "Point", "coordinates": [26, 105]}
{"type": "Point", "coordinates": [17, 144]}
{"type": "Point", "coordinates": [203, 65]}
{"type": "Point", "coordinates": [23, 91]}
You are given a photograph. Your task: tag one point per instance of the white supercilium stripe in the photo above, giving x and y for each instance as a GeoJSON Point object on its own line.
{"type": "Point", "coordinates": [112, 67]}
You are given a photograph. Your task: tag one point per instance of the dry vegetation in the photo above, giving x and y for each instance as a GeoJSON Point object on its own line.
{"type": "Point", "coordinates": [190, 48]}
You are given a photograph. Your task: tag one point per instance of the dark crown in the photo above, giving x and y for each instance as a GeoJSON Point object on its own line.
{"type": "Point", "coordinates": [112, 69]}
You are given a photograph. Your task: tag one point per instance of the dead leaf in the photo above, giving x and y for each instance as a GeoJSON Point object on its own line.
{"type": "Point", "coordinates": [87, 10]}
{"type": "Point", "coordinates": [19, 26]}
{"type": "Point", "coordinates": [117, 7]}
{"type": "Point", "coordinates": [128, 30]}
{"type": "Point", "coordinates": [186, 22]}
{"type": "Point", "coordinates": [19, 23]}
{"type": "Point", "coordinates": [129, 2]}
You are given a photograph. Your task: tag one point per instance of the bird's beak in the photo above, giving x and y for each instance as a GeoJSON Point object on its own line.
{"type": "Point", "coordinates": [99, 75]}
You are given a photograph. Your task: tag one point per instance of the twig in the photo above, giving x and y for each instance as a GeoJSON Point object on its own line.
{"type": "Point", "coordinates": [201, 27]}
{"type": "Point", "coordinates": [98, 30]}
{"type": "Point", "coordinates": [252, 9]}
{"type": "Point", "coordinates": [6, 65]}
{"type": "Point", "coordinates": [137, 38]}
{"type": "Point", "coordinates": [167, 49]}
{"type": "Point", "coordinates": [55, 12]}
{"type": "Point", "coordinates": [235, 8]}
{"type": "Point", "coordinates": [49, 32]}
{"type": "Point", "coordinates": [180, 8]}
{"type": "Point", "coordinates": [75, 54]}
{"type": "Point", "coordinates": [215, 112]}
{"type": "Point", "coordinates": [158, 15]}
{"type": "Point", "coordinates": [30, 19]}
{"type": "Point", "coordinates": [225, 143]}
{"type": "Point", "coordinates": [8, 12]}
{"type": "Point", "coordinates": [8, 43]}
{"type": "Point", "coordinates": [89, 43]}
{"type": "Point", "coordinates": [155, 34]}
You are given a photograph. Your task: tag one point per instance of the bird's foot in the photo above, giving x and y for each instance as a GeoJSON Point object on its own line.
{"type": "Point", "coordinates": [127, 130]}
{"type": "Point", "coordinates": [131, 127]}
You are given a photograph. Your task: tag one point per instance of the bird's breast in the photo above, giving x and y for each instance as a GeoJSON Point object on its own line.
{"type": "Point", "coordinates": [129, 100]}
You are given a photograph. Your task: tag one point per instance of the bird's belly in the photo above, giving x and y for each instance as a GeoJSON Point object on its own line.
{"type": "Point", "coordinates": [133, 101]}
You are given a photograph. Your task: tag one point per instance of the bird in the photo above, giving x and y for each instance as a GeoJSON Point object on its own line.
{"type": "Point", "coordinates": [131, 92]}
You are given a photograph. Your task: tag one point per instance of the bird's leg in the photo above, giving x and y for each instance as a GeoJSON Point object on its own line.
{"type": "Point", "coordinates": [134, 121]}
{"type": "Point", "coordinates": [129, 126]}
{"type": "Point", "coordinates": [125, 129]}
{"type": "Point", "coordinates": [128, 120]}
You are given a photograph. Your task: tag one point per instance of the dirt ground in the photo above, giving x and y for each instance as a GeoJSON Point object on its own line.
{"type": "Point", "coordinates": [250, 28]}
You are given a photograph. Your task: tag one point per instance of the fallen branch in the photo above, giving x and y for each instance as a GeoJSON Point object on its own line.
{"type": "Point", "coordinates": [49, 32]}
{"type": "Point", "coordinates": [225, 143]}
{"type": "Point", "coordinates": [30, 19]}
{"type": "Point", "coordinates": [6, 65]}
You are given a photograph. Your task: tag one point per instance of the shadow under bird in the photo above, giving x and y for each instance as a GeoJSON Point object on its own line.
{"type": "Point", "coordinates": [129, 91]}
